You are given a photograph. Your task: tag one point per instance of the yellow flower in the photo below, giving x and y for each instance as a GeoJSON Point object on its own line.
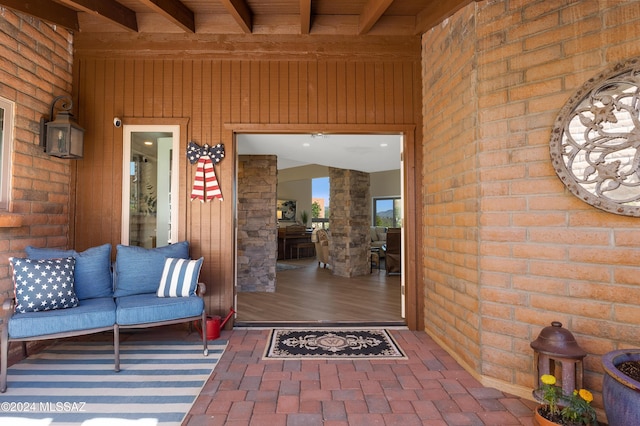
{"type": "Point", "coordinates": [548, 379]}
{"type": "Point", "coordinates": [586, 395]}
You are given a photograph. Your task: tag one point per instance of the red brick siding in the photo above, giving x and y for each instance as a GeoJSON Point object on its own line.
{"type": "Point", "coordinates": [35, 66]}
{"type": "Point", "coordinates": [451, 270]}
{"type": "Point", "coordinates": [543, 254]}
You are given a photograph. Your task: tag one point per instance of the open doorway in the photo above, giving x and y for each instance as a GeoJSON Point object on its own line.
{"type": "Point", "coordinates": [301, 290]}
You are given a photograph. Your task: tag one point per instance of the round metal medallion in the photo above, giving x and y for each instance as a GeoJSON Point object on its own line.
{"type": "Point", "coordinates": [595, 141]}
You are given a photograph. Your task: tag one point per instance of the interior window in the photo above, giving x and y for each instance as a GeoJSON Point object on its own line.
{"type": "Point", "coordinates": [320, 202]}
{"type": "Point", "coordinates": [6, 138]}
{"type": "Point", "coordinates": [387, 212]}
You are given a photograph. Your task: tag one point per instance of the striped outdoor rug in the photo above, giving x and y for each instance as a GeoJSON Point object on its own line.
{"type": "Point", "coordinates": [73, 383]}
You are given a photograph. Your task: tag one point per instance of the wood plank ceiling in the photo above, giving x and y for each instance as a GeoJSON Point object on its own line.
{"type": "Point", "coordinates": [340, 17]}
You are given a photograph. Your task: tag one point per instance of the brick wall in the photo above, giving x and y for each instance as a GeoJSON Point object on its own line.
{"type": "Point", "coordinates": [529, 252]}
{"type": "Point", "coordinates": [451, 186]}
{"type": "Point", "coordinates": [35, 66]}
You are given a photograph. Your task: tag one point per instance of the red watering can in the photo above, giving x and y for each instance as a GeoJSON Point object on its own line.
{"type": "Point", "coordinates": [214, 325]}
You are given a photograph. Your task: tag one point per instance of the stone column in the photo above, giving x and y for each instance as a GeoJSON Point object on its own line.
{"type": "Point", "coordinates": [349, 222]}
{"type": "Point", "coordinates": [257, 225]}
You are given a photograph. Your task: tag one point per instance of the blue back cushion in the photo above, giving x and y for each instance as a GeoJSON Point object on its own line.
{"type": "Point", "coordinates": [93, 268]}
{"type": "Point", "coordinates": [139, 270]}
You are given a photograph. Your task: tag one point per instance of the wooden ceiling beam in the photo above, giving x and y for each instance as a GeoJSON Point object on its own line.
{"type": "Point", "coordinates": [371, 13]}
{"type": "Point", "coordinates": [108, 9]}
{"type": "Point", "coordinates": [305, 16]}
{"type": "Point", "coordinates": [240, 12]}
{"type": "Point", "coordinates": [175, 11]}
{"type": "Point", "coordinates": [436, 12]}
{"type": "Point", "coordinates": [47, 11]}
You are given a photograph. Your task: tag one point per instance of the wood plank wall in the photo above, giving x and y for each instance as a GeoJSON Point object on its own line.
{"type": "Point", "coordinates": [216, 96]}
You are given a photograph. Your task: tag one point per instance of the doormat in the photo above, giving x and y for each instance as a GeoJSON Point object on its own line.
{"type": "Point", "coordinates": [332, 344]}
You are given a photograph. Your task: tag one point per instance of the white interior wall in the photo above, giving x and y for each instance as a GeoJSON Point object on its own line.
{"type": "Point", "coordinates": [385, 184]}
{"type": "Point", "coordinates": [300, 191]}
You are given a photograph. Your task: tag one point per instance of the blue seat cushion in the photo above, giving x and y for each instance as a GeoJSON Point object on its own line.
{"type": "Point", "coordinates": [148, 308]}
{"type": "Point", "coordinates": [139, 270]}
{"type": "Point", "coordinates": [93, 268]}
{"type": "Point", "coordinates": [90, 314]}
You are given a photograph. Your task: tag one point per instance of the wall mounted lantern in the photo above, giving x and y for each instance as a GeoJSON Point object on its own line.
{"type": "Point", "coordinates": [62, 137]}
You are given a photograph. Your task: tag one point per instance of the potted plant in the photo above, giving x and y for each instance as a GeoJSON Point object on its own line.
{"type": "Point", "coordinates": [621, 386]}
{"type": "Point", "coordinates": [560, 409]}
{"type": "Point", "coordinates": [304, 216]}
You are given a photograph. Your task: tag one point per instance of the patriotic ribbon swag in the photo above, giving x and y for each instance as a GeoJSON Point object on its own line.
{"type": "Point", "coordinates": [205, 184]}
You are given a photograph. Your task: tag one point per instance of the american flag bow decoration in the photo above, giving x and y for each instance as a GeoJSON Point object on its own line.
{"type": "Point", "coordinates": [205, 184]}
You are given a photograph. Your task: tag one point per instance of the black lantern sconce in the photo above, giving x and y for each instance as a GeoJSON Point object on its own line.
{"type": "Point", "coordinates": [62, 137]}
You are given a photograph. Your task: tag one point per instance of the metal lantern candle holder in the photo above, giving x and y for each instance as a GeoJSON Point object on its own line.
{"type": "Point", "coordinates": [62, 137]}
{"type": "Point", "coordinates": [556, 349]}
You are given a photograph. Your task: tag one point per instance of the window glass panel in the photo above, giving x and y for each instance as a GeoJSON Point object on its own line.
{"type": "Point", "coordinates": [387, 212]}
{"type": "Point", "coordinates": [320, 202]}
{"type": "Point", "coordinates": [2, 114]}
{"type": "Point", "coordinates": [149, 216]}
{"type": "Point", "coordinates": [6, 140]}
{"type": "Point", "coordinates": [397, 213]}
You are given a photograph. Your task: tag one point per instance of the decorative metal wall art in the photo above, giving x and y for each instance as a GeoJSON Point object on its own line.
{"type": "Point", "coordinates": [595, 141]}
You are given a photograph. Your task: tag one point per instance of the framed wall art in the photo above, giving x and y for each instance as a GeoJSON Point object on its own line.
{"type": "Point", "coordinates": [286, 210]}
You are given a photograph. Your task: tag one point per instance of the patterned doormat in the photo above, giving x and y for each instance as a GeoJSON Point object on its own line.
{"type": "Point", "coordinates": [332, 344]}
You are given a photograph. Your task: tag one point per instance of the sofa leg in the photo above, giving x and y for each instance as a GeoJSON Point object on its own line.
{"type": "Point", "coordinates": [4, 357]}
{"type": "Point", "coordinates": [205, 350]}
{"type": "Point", "coordinates": [116, 347]}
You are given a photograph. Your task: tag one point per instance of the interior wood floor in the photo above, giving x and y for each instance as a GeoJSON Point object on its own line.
{"type": "Point", "coordinates": [313, 294]}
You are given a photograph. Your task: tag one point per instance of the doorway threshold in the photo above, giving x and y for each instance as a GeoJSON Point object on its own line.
{"type": "Point", "coordinates": [318, 324]}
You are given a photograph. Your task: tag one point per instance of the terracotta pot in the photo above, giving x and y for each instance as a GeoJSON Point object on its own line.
{"type": "Point", "coordinates": [620, 393]}
{"type": "Point", "coordinates": [538, 420]}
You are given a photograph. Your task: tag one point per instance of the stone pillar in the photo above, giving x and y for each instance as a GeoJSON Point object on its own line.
{"type": "Point", "coordinates": [257, 225]}
{"type": "Point", "coordinates": [349, 222]}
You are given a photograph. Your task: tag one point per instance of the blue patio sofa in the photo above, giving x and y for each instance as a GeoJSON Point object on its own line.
{"type": "Point", "coordinates": [143, 288]}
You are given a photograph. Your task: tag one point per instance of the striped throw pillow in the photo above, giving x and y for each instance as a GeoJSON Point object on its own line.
{"type": "Point", "coordinates": [179, 277]}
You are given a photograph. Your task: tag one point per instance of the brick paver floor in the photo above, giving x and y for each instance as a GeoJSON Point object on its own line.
{"type": "Point", "coordinates": [430, 388]}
